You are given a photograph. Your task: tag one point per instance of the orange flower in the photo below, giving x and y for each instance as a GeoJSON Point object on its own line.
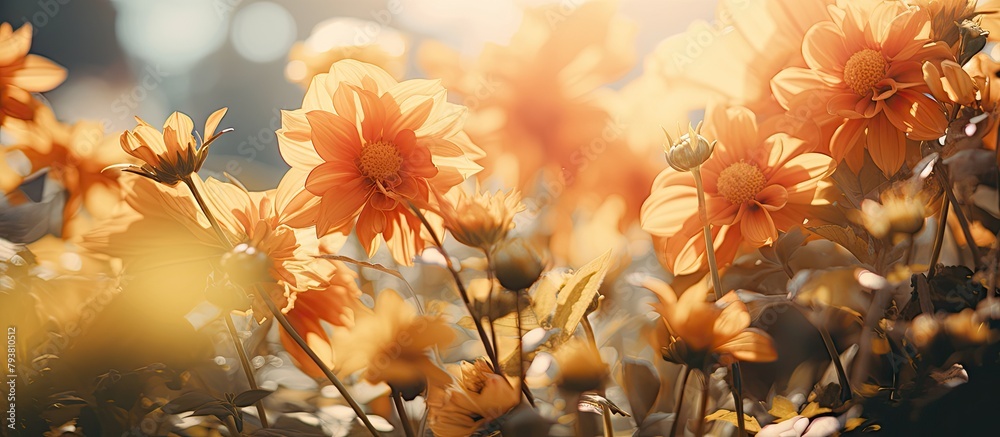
{"type": "Point", "coordinates": [697, 327]}
{"type": "Point", "coordinates": [22, 74]}
{"type": "Point", "coordinates": [480, 219]}
{"type": "Point", "coordinates": [75, 156]}
{"type": "Point", "coordinates": [336, 39]}
{"type": "Point", "coordinates": [370, 163]}
{"type": "Point", "coordinates": [392, 344]}
{"type": "Point", "coordinates": [755, 186]}
{"type": "Point", "coordinates": [172, 156]}
{"type": "Point", "coordinates": [472, 403]}
{"type": "Point", "coordinates": [866, 65]}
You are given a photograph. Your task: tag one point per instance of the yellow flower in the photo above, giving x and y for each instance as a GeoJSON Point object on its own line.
{"type": "Point", "coordinates": [463, 407]}
{"type": "Point", "coordinates": [480, 219]}
{"type": "Point", "coordinates": [392, 344]}
{"type": "Point", "coordinates": [703, 330]}
{"type": "Point", "coordinates": [580, 367]}
{"type": "Point", "coordinates": [172, 156]}
{"type": "Point", "coordinates": [22, 74]}
{"type": "Point", "coordinates": [901, 213]}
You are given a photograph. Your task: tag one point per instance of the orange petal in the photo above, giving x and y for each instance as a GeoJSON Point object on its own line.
{"type": "Point", "coordinates": [38, 74]}
{"type": "Point", "coordinates": [334, 138]}
{"type": "Point", "coordinates": [886, 144]}
{"type": "Point", "coordinates": [757, 227]}
{"type": "Point", "coordinates": [751, 345]}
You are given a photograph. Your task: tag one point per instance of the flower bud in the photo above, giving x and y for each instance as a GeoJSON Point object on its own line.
{"type": "Point", "coordinates": [246, 265]}
{"type": "Point", "coordinates": [689, 151]}
{"type": "Point", "coordinates": [518, 264]}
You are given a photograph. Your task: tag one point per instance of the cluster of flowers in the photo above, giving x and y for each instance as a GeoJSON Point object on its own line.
{"type": "Point", "coordinates": [842, 183]}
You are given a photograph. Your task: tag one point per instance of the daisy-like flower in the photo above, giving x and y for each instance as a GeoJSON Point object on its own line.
{"type": "Point", "coordinates": [22, 74]}
{"type": "Point", "coordinates": [75, 156]}
{"type": "Point", "coordinates": [866, 64]}
{"type": "Point", "coordinates": [174, 155]}
{"type": "Point", "coordinates": [755, 185]}
{"type": "Point", "coordinates": [392, 343]}
{"type": "Point", "coordinates": [480, 219]}
{"type": "Point", "coordinates": [472, 403]}
{"type": "Point", "coordinates": [336, 39]}
{"type": "Point", "coordinates": [373, 148]}
{"type": "Point", "coordinates": [700, 330]}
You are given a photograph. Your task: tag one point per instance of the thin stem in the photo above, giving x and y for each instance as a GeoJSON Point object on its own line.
{"type": "Point", "coordinates": [231, 426]}
{"type": "Point", "coordinates": [709, 245]}
{"type": "Point", "coordinates": [204, 208]}
{"type": "Point", "coordinates": [247, 369]}
{"type": "Point", "coordinates": [461, 289]}
{"type": "Point", "coordinates": [704, 405]}
{"type": "Point", "coordinates": [963, 221]}
{"type": "Point", "coordinates": [609, 429]}
{"type": "Point", "coordinates": [942, 223]}
{"type": "Point", "coordinates": [397, 400]}
{"type": "Point", "coordinates": [316, 359]}
{"type": "Point", "coordinates": [284, 321]}
{"type": "Point", "coordinates": [831, 349]}
{"type": "Point", "coordinates": [737, 386]}
{"type": "Point", "coordinates": [520, 354]}
{"type": "Point", "coordinates": [589, 330]}
{"type": "Point", "coordinates": [680, 401]}
{"type": "Point", "coordinates": [489, 305]}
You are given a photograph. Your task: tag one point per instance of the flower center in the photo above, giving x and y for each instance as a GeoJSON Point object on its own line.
{"type": "Point", "coordinates": [740, 182]}
{"type": "Point", "coordinates": [380, 160]}
{"type": "Point", "coordinates": [865, 69]}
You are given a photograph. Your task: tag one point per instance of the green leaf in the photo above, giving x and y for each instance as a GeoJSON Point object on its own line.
{"type": "Point", "coordinates": [578, 294]}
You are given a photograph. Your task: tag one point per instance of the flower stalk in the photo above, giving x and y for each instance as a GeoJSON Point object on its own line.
{"type": "Point", "coordinates": [247, 369]}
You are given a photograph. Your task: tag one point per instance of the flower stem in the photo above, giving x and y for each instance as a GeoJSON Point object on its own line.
{"type": "Point", "coordinates": [237, 343]}
{"type": "Point", "coordinates": [678, 407]}
{"type": "Point", "coordinates": [397, 400]}
{"type": "Point", "coordinates": [520, 354]}
{"type": "Point", "coordinates": [204, 208]}
{"type": "Point", "coordinates": [704, 405]}
{"type": "Point", "coordinates": [845, 384]}
{"type": "Point", "coordinates": [282, 320]}
{"type": "Point", "coordinates": [247, 369]}
{"type": "Point", "coordinates": [942, 224]}
{"type": "Point", "coordinates": [963, 221]}
{"type": "Point", "coordinates": [231, 426]}
{"type": "Point", "coordinates": [489, 304]}
{"type": "Point", "coordinates": [461, 288]}
{"type": "Point", "coordinates": [713, 266]}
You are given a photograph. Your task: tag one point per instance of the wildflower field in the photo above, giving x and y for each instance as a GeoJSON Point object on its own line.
{"type": "Point", "coordinates": [513, 218]}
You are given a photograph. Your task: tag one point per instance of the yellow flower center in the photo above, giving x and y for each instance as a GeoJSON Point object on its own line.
{"type": "Point", "coordinates": [380, 160]}
{"type": "Point", "coordinates": [740, 182]}
{"type": "Point", "coordinates": [865, 69]}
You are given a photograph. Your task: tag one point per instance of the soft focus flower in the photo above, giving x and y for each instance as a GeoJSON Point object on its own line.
{"type": "Point", "coordinates": [518, 263]}
{"type": "Point", "coordinates": [480, 219]}
{"type": "Point", "coordinates": [580, 367]}
{"type": "Point", "coordinates": [392, 345]}
{"type": "Point", "coordinates": [947, 17]}
{"type": "Point", "coordinates": [463, 407]}
{"type": "Point", "coordinates": [900, 213]}
{"type": "Point", "coordinates": [866, 65]}
{"type": "Point", "coordinates": [698, 328]}
{"type": "Point", "coordinates": [174, 155]}
{"type": "Point", "coordinates": [22, 74]}
{"type": "Point", "coordinates": [75, 156]}
{"type": "Point", "coordinates": [948, 82]}
{"type": "Point", "coordinates": [371, 163]}
{"type": "Point", "coordinates": [337, 39]}
{"type": "Point", "coordinates": [755, 185]}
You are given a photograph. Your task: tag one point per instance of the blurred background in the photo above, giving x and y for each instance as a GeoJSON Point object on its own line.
{"type": "Point", "coordinates": [152, 57]}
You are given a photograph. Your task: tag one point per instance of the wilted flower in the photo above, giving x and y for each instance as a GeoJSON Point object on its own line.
{"type": "Point", "coordinates": [392, 345]}
{"type": "Point", "coordinates": [699, 330]}
{"type": "Point", "coordinates": [174, 155]}
{"type": "Point", "coordinates": [689, 151]}
{"type": "Point", "coordinates": [480, 219]}
{"type": "Point", "coordinates": [22, 74]}
{"type": "Point", "coordinates": [372, 163]}
{"type": "Point", "coordinates": [479, 397]}
{"type": "Point", "coordinates": [518, 264]}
